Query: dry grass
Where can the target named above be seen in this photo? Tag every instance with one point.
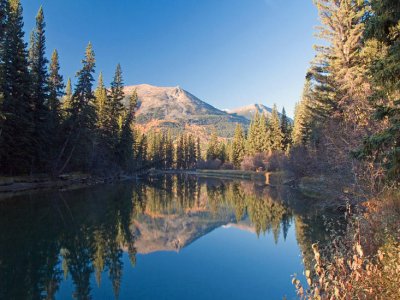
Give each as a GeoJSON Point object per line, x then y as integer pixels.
{"type": "Point", "coordinates": [365, 262]}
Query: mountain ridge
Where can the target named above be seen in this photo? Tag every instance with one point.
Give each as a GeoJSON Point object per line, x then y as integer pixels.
{"type": "Point", "coordinates": [177, 109]}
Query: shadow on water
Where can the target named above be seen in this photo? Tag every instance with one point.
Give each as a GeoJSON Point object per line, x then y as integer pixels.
{"type": "Point", "coordinates": [48, 238]}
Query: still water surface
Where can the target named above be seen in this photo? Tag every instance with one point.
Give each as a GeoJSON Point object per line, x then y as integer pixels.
{"type": "Point", "coordinates": [171, 237]}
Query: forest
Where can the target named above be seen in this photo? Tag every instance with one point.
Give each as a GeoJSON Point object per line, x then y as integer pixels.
{"type": "Point", "coordinates": [345, 134]}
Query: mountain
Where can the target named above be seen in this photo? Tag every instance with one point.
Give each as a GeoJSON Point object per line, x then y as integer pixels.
{"type": "Point", "coordinates": [176, 109]}
{"type": "Point", "coordinates": [249, 111]}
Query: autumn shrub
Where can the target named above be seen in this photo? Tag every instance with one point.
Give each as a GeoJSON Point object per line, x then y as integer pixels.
{"type": "Point", "coordinates": [364, 263]}
{"type": "Point", "coordinates": [303, 162]}
{"type": "Point", "coordinates": [257, 162]}
{"type": "Point", "coordinates": [276, 161]}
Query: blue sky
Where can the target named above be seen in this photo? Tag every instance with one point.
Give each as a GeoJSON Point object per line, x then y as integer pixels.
{"type": "Point", "coordinates": [229, 53]}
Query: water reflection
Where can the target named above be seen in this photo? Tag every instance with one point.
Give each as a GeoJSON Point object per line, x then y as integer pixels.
{"type": "Point", "coordinates": [49, 238]}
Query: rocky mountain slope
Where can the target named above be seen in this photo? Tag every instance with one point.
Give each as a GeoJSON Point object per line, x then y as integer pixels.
{"type": "Point", "coordinates": [249, 111]}
{"type": "Point", "coordinates": [176, 109]}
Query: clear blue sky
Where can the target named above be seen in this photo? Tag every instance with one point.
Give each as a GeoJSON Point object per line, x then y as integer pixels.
{"type": "Point", "coordinates": [229, 53]}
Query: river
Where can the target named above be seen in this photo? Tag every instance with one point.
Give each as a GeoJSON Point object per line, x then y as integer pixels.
{"type": "Point", "coordinates": [165, 237]}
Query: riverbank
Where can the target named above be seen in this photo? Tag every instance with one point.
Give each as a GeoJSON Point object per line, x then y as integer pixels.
{"type": "Point", "coordinates": [22, 184]}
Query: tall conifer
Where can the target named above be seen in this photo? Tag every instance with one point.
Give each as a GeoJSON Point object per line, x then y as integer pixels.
{"type": "Point", "coordinates": [39, 90]}
{"type": "Point", "coordinates": [16, 144]}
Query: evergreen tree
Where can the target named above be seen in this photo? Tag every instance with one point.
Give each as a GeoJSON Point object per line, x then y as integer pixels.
{"type": "Point", "coordinates": [169, 151]}
{"type": "Point", "coordinates": [67, 100]}
{"type": "Point", "coordinates": [79, 142]}
{"type": "Point", "coordinates": [180, 153]}
{"type": "Point", "coordinates": [286, 131]}
{"type": "Point", "coordinates": [100, 103]}
{"type": "Point", "coordinates": [258, 139]}
{"type": "Point", "coordinates": [303, 119]}
{"type": "Point", "coordinates": [213, 147]}
{"type": "Point", "coordinates": [56, 91]}
{"type": "Point", "coordinates": [238, 146]}
{"type": "Point", "coordinates": [16, 145]}
{"type": "Point", "coordinates": [276, 135]}
{"type": "Point", "coordinates": [139, 150]}
{"type": "Point", "coordinates": [126, 142]}
{"type": "Point", "coordinates": [116, 106]}
{"type": "Point", "coordinates": [191, 152]}
{"type": "Point", "coordinates": [383, 34]}
{"type": "Point", "coordinates": [40, 89]}
{"type": "Point", "coordinates": [198, 149]}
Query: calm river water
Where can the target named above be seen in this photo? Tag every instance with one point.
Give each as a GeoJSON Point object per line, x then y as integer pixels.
{"type": "Point", "coordinates": [169, 237]}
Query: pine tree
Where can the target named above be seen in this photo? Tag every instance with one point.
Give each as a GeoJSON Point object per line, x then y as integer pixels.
{"type": "Point", "coordinates": [238, 146]}
{"type": "Point", "coordinates": [56, 89]}
{"type": "Point", "coordinates": [276, 135]}
{"type": "Point", "coordinates": [191, 152]}
{"type": "Point", "coordinates": [258, 137]}
{"type": "Point", "coordinates": [115, 102]}
{"type": "Point", "coordinates": [198, 150]}
{"type": "Point", "coordinates": [100, 102]}
{"type": "Point", "coordinates": [16, 134]}
{"type": "Point", "coordinates": [180, 153]}
{"type": "Point", "coordinates": [169, 151]}
{"type": "Point", "coordinates": [67, 100]}
{"type": "Point", "coordinates": [286, 131]}
{"type": "Point", "coordinates": [139, 150]}
{"type": "Point", "coordinates": [126, 143]}
{"type": "Point", "coordinates": [79, 142]}
{"type": "Point", "coordinates": [40, 89]}
{"type": "Point", "coordinates": [337, 70]}
{"type": "Point", "coordinates": [213, 147]}
{"type": "Point", "coordinates": [383, 34]}
{"type": "Point", "coordinates": [303, 119]}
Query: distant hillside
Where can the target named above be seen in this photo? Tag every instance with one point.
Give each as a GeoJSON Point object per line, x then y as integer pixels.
{"type": "Point", "coordinates": [176, 109]}
{"type": "Point", "coordinates": [249, 111]}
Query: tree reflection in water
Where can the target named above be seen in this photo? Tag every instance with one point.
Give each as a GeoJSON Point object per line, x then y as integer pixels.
{"type": "Point", "coordinates": [46, 238]}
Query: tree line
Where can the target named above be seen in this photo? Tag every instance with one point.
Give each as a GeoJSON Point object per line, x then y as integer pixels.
{"type": "Point", "coordinates": [349, 114]}
{"type": "Point", "coordinates": [47, 126]}
{"type": "Point", "coordinates": [266, 134]}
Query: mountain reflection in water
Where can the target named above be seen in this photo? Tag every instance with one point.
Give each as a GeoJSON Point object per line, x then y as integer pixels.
{"type": "Point", "coordinates": [63, 245]}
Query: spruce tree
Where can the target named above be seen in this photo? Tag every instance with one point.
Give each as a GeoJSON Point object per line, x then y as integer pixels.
{"type": "Point", "coordinates": [198, 149]}
{"type": "Point", "coordinates": [383, 34]}
{"type": "Point", "coordinates": [180, 153]}
{"type": "Point", "coordinates": [39, 91]}
{"type": "Point", "coordinates": [286, 131]}
{"type": "Point", "coordinates": [100, 102]}
{"type": "Point", "coordinates": [16, 145]}
{"type": "Point", "coordinates": [126, 143]}
{"type": "Point", "coordinates": [56, 91]}
{"type": "Point", "coordinates": [238, 146]}
{"type": "Point", "coordinates": [213, 147]}
{"type": "Point", "coordinates": [169, 151]}
{"type": "Point", "coordinates": [115, 102]}
{"type": "Point", "coordinates": [303, 119]}
{"type": "Point", "coordinates": [79, 143]}
{"type": "Point", "coordinates": [338, 68]}
{"type": "Point", "coordinates": [276, 135]}
{"type": "Point", "coordinates": [67, 100]}
{"type": "Point", "coordinates": [191, 152]}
